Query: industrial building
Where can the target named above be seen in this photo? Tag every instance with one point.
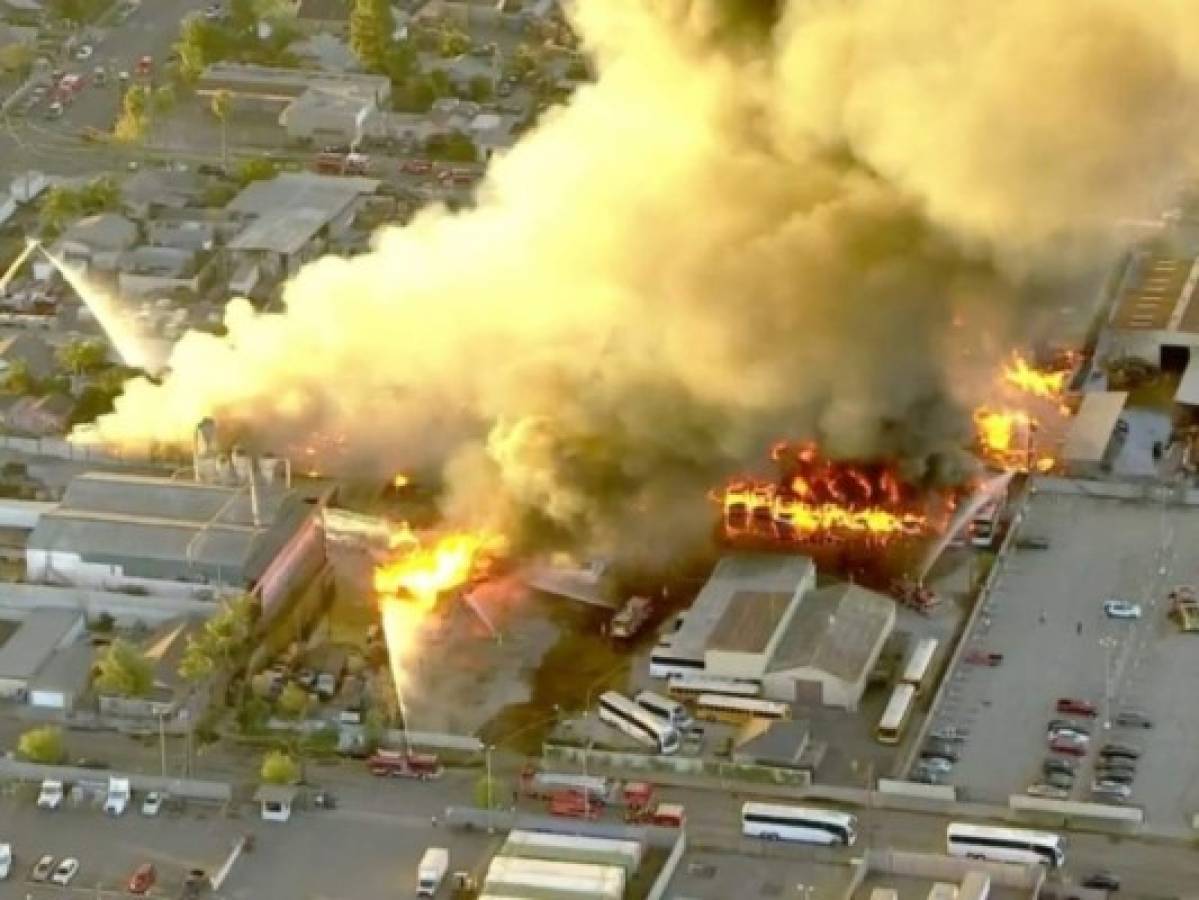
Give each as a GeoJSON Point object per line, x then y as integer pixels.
{"type": "Point", "coordinates": [30, 648]}
{"type": "Point", "coordinates": [760, 618]}
{"type": "Point", "coordinates": [1155, 319]}
{"type": "Point", "coordinates": [1091, 441]}
{"type": "Point", "coordinates": [149, 535]}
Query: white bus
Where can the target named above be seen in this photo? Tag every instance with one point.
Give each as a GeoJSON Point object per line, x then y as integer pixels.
{"type": "Point", "coordinates": [896, 715]}
{"type": "Point", "coordinates": [1005, 844]}
{"type": "Point", "coordinates": [691, 687]}
{"type": "Point", "coordinates": [670, 710]}
{"type": "Point", "coordinates": [919, 667]}
{"type": "Point", "coordinates": [776, 822]}
{"type": "Point", "coordinates": [620, 712]}
{"type": "Point", "coordinates": [735, 710]}
{"type": "Point", "coordinates": [666, 662]}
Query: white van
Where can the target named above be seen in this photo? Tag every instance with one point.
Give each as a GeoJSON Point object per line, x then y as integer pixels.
{"type": "Point", "coordinates": [431, 871]}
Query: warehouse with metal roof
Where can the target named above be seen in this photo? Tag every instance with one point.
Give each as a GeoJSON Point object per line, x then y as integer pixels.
{"type": "Point", "coordinates": [831, 646]}
{"type": "Point", "coordinates": [40, 635]}
{"type": "Point", "coordinates": [180, 538]}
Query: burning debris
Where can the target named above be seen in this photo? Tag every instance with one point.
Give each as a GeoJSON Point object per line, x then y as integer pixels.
{"type": "Point", "coordinates": [1039, 383]}
{"type": "Point", "coordinates": [819, 500]}
{"type": "Point", "coordinates": [413, 577]}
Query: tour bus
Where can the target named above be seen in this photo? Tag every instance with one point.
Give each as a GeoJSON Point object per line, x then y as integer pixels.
{"type": "Point", "coordinates": [620, 712]}
{"type": "Point", "coordinates": [805, 824]}
{"type": "Point", "coordinates": [1005, 844]}
{"type": "Point", "coordinates": [691, 687]}
{"type": "Point", "coordinates": [666, 662]}
{"type": "Point", "coordinates": [735, 710]}
{"type": "Point", "coordinates": [671, 711]}
{"type": "Point", "coordinates": [895, 717]}
{"type": "Point", "coordinates": [918, 669]}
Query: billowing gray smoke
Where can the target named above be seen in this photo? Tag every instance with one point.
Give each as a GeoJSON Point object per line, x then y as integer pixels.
{"type": "Point", "coordinates": [801, 220]}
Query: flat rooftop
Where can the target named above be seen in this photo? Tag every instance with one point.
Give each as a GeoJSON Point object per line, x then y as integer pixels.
{"type": "Point", "coordinates": [38, 636]}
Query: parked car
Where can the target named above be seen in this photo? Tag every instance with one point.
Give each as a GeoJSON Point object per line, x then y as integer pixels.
{"type": "Point", "coordinates": [1127, 751]}
{"type": "Point", "coordinates": [152, 804]}
{"type": "Point", "coordinates": [1070, 734]}
{"type": "Point", "coordinates": [55, 110]}
{"type": "Point", "coordinates": [65, 871]}
{"type": "Point", "coordinates": [1059, 764]}
{"type": "Point", "coordinates": [949, 733]}
{"type": "Point", "coordinates": [1063, 780]}
{"type": "Point", "coordinates": [43, 868]}
{"type": "Point", "coordinates": [142, 879]}
{"type": "Point", "coordinates": [1121, 609]}
{"type": "Point", "coordinates": [145, 65]}
{"type": "Point", "coordinates": [942, 749]}
{"type": "Point", "coordinates": [1070, 748]}
{"type": "Point", "coordinates": [1133, 718]}
{"type": "Point", "coordinates": [1048, 791]}
{"type": "Point", "coordinates": [1111, 789]}
{"type": "Point", "coordinates": [935, 763]}
{"type": "Point", "coordinates": [1076, 707]}
{"type": "Point", "coordinates": [1067, 724]}
{"type": "Point", "coordinates": [84, 51]}
{"type": "Point", "coordinates": [1103, 881]}
{"type": "Point", "coordinates": [1113, 776]}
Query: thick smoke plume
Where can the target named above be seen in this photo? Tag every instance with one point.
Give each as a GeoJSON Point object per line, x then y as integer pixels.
{"type": "Point", "coordinates": [764, 220]}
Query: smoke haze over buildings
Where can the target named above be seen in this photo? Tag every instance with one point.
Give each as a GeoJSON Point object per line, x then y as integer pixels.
{"type": "Point", "coordinates": [764, 220]}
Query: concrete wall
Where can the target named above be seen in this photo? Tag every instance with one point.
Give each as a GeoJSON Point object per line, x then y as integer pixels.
{"type": "Point", "coordinates": [937, 867]}
{"type": "Point", "coordinates": [17, 600]}
{"type": "Point", "coordinates": [641, 764]}
{"type": "Point", "coordinates": [190, 788]}
{"type": "Point", "coordinates": [1065, 810]}
{"type": "Point", "coordinates": [23, 513]}
{"type": "Point", "coordinates": [945, 792]}
{"type": "Point", "coordinates": [727, 664]}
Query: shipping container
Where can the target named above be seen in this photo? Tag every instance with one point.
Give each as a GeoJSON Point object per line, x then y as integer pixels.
{"type": "Point", "coordinates": [536, 879]}
{"type": "Point", "coordinates": [574, 848]}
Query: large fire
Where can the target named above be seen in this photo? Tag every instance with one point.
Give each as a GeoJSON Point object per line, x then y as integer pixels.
{"type": "Point", "coordinates": [821, 499]}
{"type": "Point", "coordinates": [410, 581]}
{"type": "Point", "coordinates": [1037, 382]}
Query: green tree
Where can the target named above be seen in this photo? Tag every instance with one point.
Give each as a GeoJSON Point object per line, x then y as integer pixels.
{"type": "Point", "coordinates": [253, 714]}
{"type": "Point", "coordinates": [99, 195]}
{"type": "Point", "coordinates": [59, 206]}
{"type": "Point", "coordinates": [453, 43]}
{"type": "Point", "coordinates": [131, 125]}
{"type": "Point", "coordinates": [523, 62]}
{"type": "Point", "coordinates": [79, 357]}
{"type": "Point", "coordinates": [480, 89]}
{"type": "Point", "coordinates": [292, 702]}
{"type": "Point", "coordinates": [371, 30]}
{"type": "Point", "coordinates": [17, 379]}
{"type": "Point", "coordinates": [42, 745]}
{"type": "Point", "coordinates": [196, 48]}
{"type": "Point", "coordinates": [198, 661]}
{"type": "Point", "coordinates": [16, 58]}
{"type": "Point", "coordinates": [242, 17]}
{"type": "Point", "coordinates": [124, 671]}
{"type": "Point", "coordinates": [279, 768]}
{"type": "Point", "coordinates": [453, 146]}
{"type": "Point", "coordinates": [489, 792]}
{"type": "Point", "coordinates": [222, 102]}
{"type": "Point", "coordinates": [257, 169]}
{"type": "Point", "coordinates": [163, 100]}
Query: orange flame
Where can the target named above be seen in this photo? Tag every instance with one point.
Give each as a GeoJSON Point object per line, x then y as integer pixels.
{"type": "Point", "coordinates": [401, 481]}
{"type": "Point", "coordinates": [1021, 375]}
{"type": "Point", "coordinates": [818, 498]}
{"type": "Point", "coordinates": [410, 582]}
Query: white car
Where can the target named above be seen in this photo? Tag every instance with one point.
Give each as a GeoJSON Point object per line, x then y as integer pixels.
{"type": "Point", "coordinates": [1113, 789]}
{"type": "Point", "coordinates": [42, 868]}
{"type": "Point", "coordinates": [84, 51]}
{"type": "Point", "coordinates": [1048, 791]}
{"type": "Point", "coordinates": [1073, 735]}
{"type": "Point", "coordinates": [66, 871]}
{"type": "Point", "coordinates": [1122, 609]}
{"type": "Point", "coordinates": [51, 794]}
{"type": "Point", "coordinates": [5, 860]}
{"type": "Point", "coordinates": [152, 804]}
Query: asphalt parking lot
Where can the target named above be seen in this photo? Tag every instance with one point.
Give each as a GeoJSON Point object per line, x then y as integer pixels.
{"type": "Point", "coordinates": [1045, 616]}
{"type": "Point", "coordinates": [719, 876]}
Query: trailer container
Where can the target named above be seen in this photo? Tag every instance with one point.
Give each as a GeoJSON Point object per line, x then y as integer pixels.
{"type": "Point", "coordinates": [574, 848]}
{"type": "Point", "coordinates": [537, 879]}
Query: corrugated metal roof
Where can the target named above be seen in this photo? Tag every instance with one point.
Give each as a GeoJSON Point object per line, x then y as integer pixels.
{"type": "Point", "coordinates": [1091, 428]}
{"type": "Point", "coordinates": [835, 630]}
{"type": "Point", "coordinates": [69, 670]}
{"type": "Point", "coordinates": [31, 645]}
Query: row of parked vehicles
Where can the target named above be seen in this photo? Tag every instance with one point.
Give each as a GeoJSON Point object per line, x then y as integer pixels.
{"type": "Point", "coordinates": [1069, 742]}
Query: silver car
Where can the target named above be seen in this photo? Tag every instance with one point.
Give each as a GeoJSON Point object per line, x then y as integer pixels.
{"type": "Point", "coordinates": [1111, 789]}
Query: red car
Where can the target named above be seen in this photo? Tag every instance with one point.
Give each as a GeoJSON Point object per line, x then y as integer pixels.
{"type": "Point", "coordinates": [417, 167]}
{"type": "Point", "coordinates": [1076, 707]}
{"type": "Point", "coordinates": [144, 65]}
{"type": "Point", "coordinates": [1070, 748]}
{"type": "Point", "coordinates": [142, 879]}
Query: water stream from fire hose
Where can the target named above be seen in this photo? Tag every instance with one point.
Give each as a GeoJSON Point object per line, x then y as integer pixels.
{"type": "Point", "coordinates": [961, 518]}
{"type": "Point", "coordinates": [116, 323]}
{"type": "Point", "coordinates": [12, 270]}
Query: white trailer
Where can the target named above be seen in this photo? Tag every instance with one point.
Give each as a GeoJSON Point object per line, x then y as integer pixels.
{"type": "Point", "coordinates": [431, 871]}
{"type": "Point", "coordinates": [538, 879]}
{"type": "Point", "coordinates": [574, 848]}
{"type": "Point", "coordinates": [544, 784]}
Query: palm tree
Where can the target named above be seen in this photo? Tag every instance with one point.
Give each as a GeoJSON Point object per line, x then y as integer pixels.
{"type": "Point", "coordinates": [221, 101]}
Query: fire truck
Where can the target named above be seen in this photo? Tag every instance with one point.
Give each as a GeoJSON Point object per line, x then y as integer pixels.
{"type": "Point", "coordinates": [631, 618]}
{"type": "Point", "coordinates": [404, 764]}
{"type": "Point", "coordinates": [641, 807]}
{"type": "Point", "coordinates": [575, 805]}
{"type": "Point", "coordinates": [914, 594]}
{"type": "Point", "coordinates": [547, 785]}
